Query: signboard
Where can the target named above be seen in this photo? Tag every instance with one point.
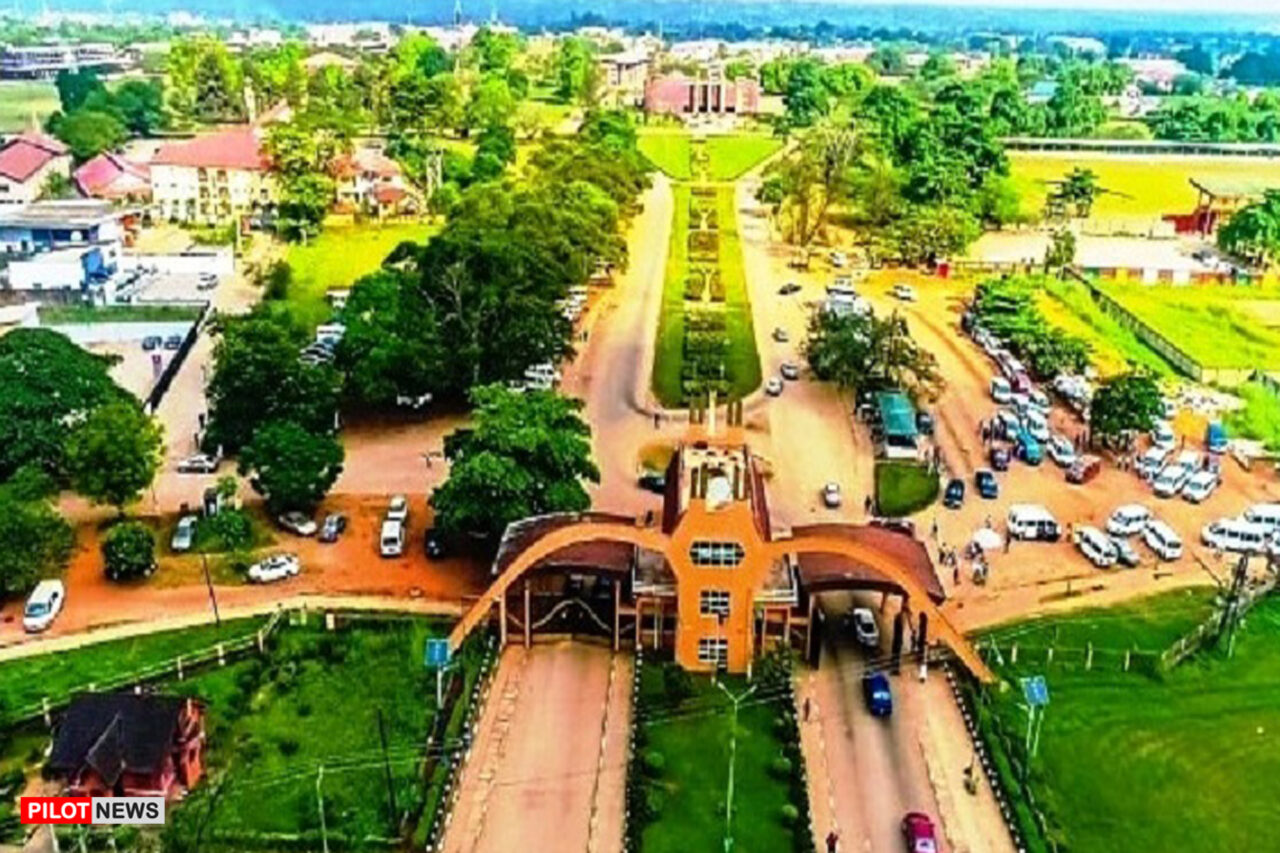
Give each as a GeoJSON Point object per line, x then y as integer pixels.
{"type": "Point", "coordinates": [1036, 691]}
{"type": "Point", "coordinates": [436, 655]}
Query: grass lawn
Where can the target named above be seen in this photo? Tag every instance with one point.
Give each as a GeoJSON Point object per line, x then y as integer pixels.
{"type": "Point", "coordinates": [23, 100]}
{"type": "Point", "coordinates": [53, 315]}
{"type": "Point", "coordinates": [1260, 417]}
{"type": "Point", "coordinates": [24, 681]}
{"type": "Point", "coordinates": [335, 259]}
{"type": "Point", "coordinates": [1219, 326]}
{"type": "Point", "coordinates": [743, 362]}
{"type": "Point", "coordinates": [668, 350]}
{"type": "Point", "coordinates": [904, 488]}
{"type": "Point", "coordinates": [1067, 305]}
{"type": "Point", "coordinates": [732, 156]}
{"type": "Point", "coordinates": [667, 150]}
{"type": "Point", "coordinates": [1147, 187]}
{"type": "Point", "coordinates": [1183, 762]}
{"type": "Point", "coordinates": [694, 744]}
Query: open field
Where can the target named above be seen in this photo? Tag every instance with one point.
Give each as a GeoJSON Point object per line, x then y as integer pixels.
{"type": "Point", "coordinates": [1259, 419]}
{"type": "Point", "coordinates": [1067, 305]}
{"type": "Point", "coordinates": [1219, 326]}
{"type": "Point", "coordinates": [1199, 773]}
{"type": "Point", "coordinates": [335, 259]}
{"type": "Point", "coordinates": [690, 741]}
{"type": "Point", "coordinates": [668, 151]}
{"type": "Point", "coordinates": [1143, 188]}
{"type": "Point", "coordinates": [25, 101]}
{"type": "Point", "coordinates": [732, 156]}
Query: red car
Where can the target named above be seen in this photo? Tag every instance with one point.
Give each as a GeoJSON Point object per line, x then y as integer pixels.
{"type": "Point", "coordinates": [918, 832]}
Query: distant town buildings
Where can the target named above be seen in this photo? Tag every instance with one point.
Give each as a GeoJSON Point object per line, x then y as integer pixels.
{"type": "Point", "coordinates": [677, 94]}
{"type": "Point", "coordinates": [367, 36]}
{"type": "Point", "coordinates": [27, 162]}
{"type": "Point", "coordinates": [625, 76]}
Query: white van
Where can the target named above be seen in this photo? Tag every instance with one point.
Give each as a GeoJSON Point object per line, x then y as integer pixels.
{"type": "Point", "coordinates": [1151, 461]}
{"type": "Point", "coordinates": [391, 542]}
{"type": "Point", "coordinates": [1095, 546]}
{"type": "Point", "coordinates": [543, 376]}
{"type": "Point", "coordinates": [1035, 423]}
{"type": "Point", "coordinates": [1200, 486]}
{"type": "Point", "coordinates": [43, 605]}
{"type": "Point", "coordinates": [1162, 435]}
{"type": "Point", "coordinates": [1233, 534]}
{"type": "Point", "coordinates": [1032, 522]}
{"type": "Point", "coordinates": [1266, 514]}
{"type": "Point", "coordinates": [1170, 481]}
{"type": "Point", "coordinates": [1161, 539]}
{"type": "Point", "coordinates": [1128, 519]}
{"type": "Point", "coordinates": [1000, 390]}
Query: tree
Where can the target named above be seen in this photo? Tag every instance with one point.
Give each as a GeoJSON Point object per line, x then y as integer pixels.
{"type": "Point", "coordinates": [114, 454]}
{"type": "Point", "coordinates": [492, 105]}
{"type": "Point", "coordinates": [1130, 402]}
{"type": "Point", "coordinates": [1062, 249]}
{"type": "Point", "coordinates": [888, 60]}
{"type": "Point", "coordinates": [577, 76]}
{"type": "Point", "coordinates": [75, 87]}
{"type": "Point", "coordinates": [37, 543]}
{"type": "Point", "coordinates": [49, 385]}
{"type": "Point", "coordinates": [525, 455]}
{"type": "Point", "coordinates": [862, 352]}
{"type": "Point", "coordinates": [257, 377]}
{"type": "Point", "coordinates": [806, 96]}
{"type": "Point", "coordinates": [140, 104]}
{"type": "Point", "coordinates": [816, 175]}
{"type": "Point", "coordinates": [129, 551]}
{"type": "Point", "coordinates": [88, 132]}
{"type": "Point", "coordinates": [1253, 232]}
{"type": "Point", "coordinates": [292, 467]}
{"type": "Point", "coordinates": [392, 345]}
{"type": "Point", "coordinates": [302, 153]}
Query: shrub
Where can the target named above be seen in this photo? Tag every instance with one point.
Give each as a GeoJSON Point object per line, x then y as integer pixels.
{"type": "Point", "coordinates": [654, 762]}
{"type": "Point", "coordinates": [230, 530]}
{"type": "Point", "coordinates": [790, 814]}
{"type": "Point", "coordinates": [676, 682]}
{"type": "Point", "coordinates": [129, 551]}
{"type": "Point", "coordinates": [288, 746]}
{"type": "Point", "coordinates": [654, 799]}
{"type": "Point", "coordinates": [276, 280]}
{"type": "Point", "coordinates": [780, 767]}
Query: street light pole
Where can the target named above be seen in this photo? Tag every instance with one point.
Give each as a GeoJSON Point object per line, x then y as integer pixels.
{"type": "Point", "coordinates": [324, 829]}
{"type": "Point", "coordinates": [733, 754]}
{"type": "Point", "coordinates": [208, 581]}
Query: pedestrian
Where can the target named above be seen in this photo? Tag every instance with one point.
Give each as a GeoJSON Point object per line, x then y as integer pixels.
{"type": "Point", "coordinates": [833, 839]}
{"type": "Point", "coordinates": [866, 504]}
{"type": "Point", "coordinates": [955, 575]}
{"type": "Point", "coordinates": [806, 709]}
{"type": "Point", "coordinates": [657, 418]}
{"type": "Point", "coordinates": [933, 530]}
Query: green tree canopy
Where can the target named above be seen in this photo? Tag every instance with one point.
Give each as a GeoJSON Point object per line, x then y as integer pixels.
{"type": "Point", "coordinates": [37, 543]}
{"type": "Point", "coordinates": [525, 455]}
{"type": "Point", "coordinates": [292, 467]}
{"type": "Point", "coordinates": [88, 132]}
{"type": "Point", "coordinates": [863, 352]}
{"type": "Point", "coordinates": [1129, 402]}
{"type": "Point", "coordinates": [129, 551]}
{"type": "Point", "coordinates": [114, 454]}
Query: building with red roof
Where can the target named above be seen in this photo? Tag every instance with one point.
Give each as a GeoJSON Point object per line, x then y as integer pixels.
{"type": "Point", "coordinates": [371, 182]}
{"type": "Point", "coordinates": [27, 162]}
{"type": "Point", "coordinates": [213, 178]}
{"type": "Point", "coordinates": [114, 178]}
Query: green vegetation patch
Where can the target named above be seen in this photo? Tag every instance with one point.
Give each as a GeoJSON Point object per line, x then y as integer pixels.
{"type": "Point", "coordinates": [1259, 419]}
{"type": "Point", "coordinates": [1114, 348]}
{"type": "Point", "coordinates": [734, 155]}
{"type": "Point", "coordinates": [1218, 326]}
{"type": "Point", "coordinates": [60, 315]}
{"type": "Point", "coordinates": [336, 258]}
{"type": "Point", "coordinates": [668, 151]}
{"type": "Point", "coordinates": [904, 488]}
{"type": "Point", "coordinates": [23, 102]}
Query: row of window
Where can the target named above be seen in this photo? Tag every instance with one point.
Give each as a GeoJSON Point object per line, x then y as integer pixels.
{"type": "Point", "coordinates": [719, 554]}
{"type": "Point", "coordinates": [713, 650]}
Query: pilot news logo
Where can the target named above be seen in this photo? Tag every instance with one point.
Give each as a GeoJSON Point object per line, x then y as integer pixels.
{"type": "Point", "coordinates": [95, 811]}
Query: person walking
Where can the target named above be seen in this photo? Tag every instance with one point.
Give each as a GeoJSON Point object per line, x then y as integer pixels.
{"type": "Point", "coordinates": [806, 709]}
{"type": "Point", "coordinates": [833, 840]}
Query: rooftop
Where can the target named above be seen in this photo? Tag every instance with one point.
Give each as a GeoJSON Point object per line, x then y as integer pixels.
{"type": "Point", "coordinates": [897, 414]}
{"type": "Point", "coordinates": [27, 153]}
{"type": "Point", "coordinates": [74, 213]}
{"type": "Point", "coordinates": [114, 733]}
{"type": "Point", "coordinates": [237, 148]}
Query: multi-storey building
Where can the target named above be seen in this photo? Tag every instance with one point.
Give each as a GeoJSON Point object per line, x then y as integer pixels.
{"type": "Point", "coordinates": [213, 178]}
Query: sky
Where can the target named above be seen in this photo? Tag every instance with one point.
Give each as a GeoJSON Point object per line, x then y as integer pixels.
{"type": "Point", "coordinates": [1201, 6]}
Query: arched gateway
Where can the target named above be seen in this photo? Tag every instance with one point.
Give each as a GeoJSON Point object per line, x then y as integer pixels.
{"type": "Point", "coordinates": [712, 578]}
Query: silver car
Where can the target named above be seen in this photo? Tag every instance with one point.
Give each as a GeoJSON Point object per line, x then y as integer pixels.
{"type": "Point", "coordinates": [184, 535]}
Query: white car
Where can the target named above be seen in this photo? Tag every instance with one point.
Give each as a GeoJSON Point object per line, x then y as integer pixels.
{"type": "Point", "coordinates": [839, 260]}
{"type": "Point", "coordinates": [43, 606]}
{"type": "Point", "coordinates": [200, 463]}
{"type": "Point", "coordinates": [297, 522]}
{"type": "Point", "coordinates": [1162, 539]}
{"type": "Point", "coordinates": [789, 370]}
{"type": "Point", "coordinates": [1035, 424]}
{"type": "Point", "coordinates": [1162, 435]}
{"type": "Point", "coordinates": [1126, 554]}
{"type": "Point", "coordinates": [1095, 546]}
{"type": "Point", "coordinates": [904, 292]}
{"type": "Point", "coordinates": [1200, 486]}
{"type": "Point", "coordinates": [1061, 451]}
{"type": "Point", "coordinates": [1170, 481]}
{"type": "Point", "coordinates": [1040, 401]}
{"type": "Point", "coordinates": [184, 535]}
{"type": "Point", "coordinates": [1128, 520]}
{"type": "Point", "coordinates": [1000, 390]}
{"type": "Point", "coordinates": [398, 509]}
{"type": "Point", "coordinates": [831, 495]}
{"type": "Point", "coordinates": [773, 387]}
{"type": "Point", "coordinates": [865, 628]}
{"type": "Point", "coordinates": [277, 567]}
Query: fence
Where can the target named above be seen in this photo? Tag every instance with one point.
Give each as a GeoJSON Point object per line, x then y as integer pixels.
{"type": "Point", "coordinates": [1207, 632]}
{"type": "Point", "coordinates": [175, 364]}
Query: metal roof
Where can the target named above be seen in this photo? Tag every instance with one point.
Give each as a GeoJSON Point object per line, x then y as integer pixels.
{"type": "Point", "coordinates": [897, 414]}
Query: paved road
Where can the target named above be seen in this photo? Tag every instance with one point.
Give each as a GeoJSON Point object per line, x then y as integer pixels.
{"type": "Point", "coordinates": [548, 767]}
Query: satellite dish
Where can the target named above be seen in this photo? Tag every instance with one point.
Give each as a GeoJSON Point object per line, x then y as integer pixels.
{"type": "Point", "coordinates": [719, 491]}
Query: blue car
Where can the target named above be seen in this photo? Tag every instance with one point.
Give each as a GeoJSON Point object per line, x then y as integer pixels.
{"type": "Point", "coordinates": [1029, 450]}
{"type": "Point", "coordinates": [875, 690]}
{"type": "Point", "coordinates": [985, 482]}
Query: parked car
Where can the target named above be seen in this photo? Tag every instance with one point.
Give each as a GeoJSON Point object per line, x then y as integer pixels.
{"type": "Point", "coordinates": [904, 292]}
{"type": "Point", "coordinates": [653, 481]}
{"type": "Point", "coordinates": [985, 482]}
{"type": "Point", "coordinates": [1006, 424]}
{"type": "Point", "coordinates": [1035, 424]}
{"type": "Point", "coordinates": [43, 605]}
{"type": "Point", "coordinates": [1032, 522]}
{"type": "Point", "coordinates": [435, 545]}
{"type": "Point", "coordinates": [999, 458]}
{"type": "Point", "coordinates": [865, 629]}
{"type": "Point", "coordinates": [391, 538]}
{"type": "Point", "coordinates": [1126, 554]}
{"type": "Point", "coordinates": [1162, 539]}
{"type": "Point", "coordinates": [173, 342]}
{"type": "Point", "coordinates": [1200, 485]}
{"type": "Point", "coordinates": [788, 289]}
{"type": "Point", "coordinates": [151, 342]}
{"type": "Point", "coordinates": [297, 522]}
{"type": "Point", "coordinates": [184, 535]}
{"type": "Point", "coordinates": [1095, 546]}
{"type": "Point", "coordinates": [1084, 469]}
{"type": "Point", "coordinates": [773, 387]}
{"type": "Point", "coordinates": [199, 463]}
{"type": "Point", "coordinates": [831, 495]}
{"type": "Point", "coordinates": [789, 370]}
{"type": "Point", "coordinates": [398, 508]}
{"type": "Point", "coordinates": [1000, 390]}
{"type": "Point", "coordinates": [334, 524]}
{"type": "Point", "coordinates": [919, 834]}
{"type": "Point", "coordinates": [1039, 401]}
{"type": "Point", "coordinates": [277, 567]}
{"type": "Point", "coordinates": [953, 497]}
{"type": "Point", "coordinates": [1061, 451]}
{"type": "Point", "coordinates": [780, 335]}
{"type": "Point", "coordinates": [1162, 435]}
{"type": "Point", "coordinates": [1215, 438]}
{"type": "Point", "coordinates": [1028, 448]}
{"type": "Point", "coordinates": [1128, 519]}
{"type": "Point", "coordinates": [924, 422]}
{"type": "Point", "coordinates": [839, 259]}
{"type": "Point", "coordinates": [876, 693]}
{"type": "Point", "coordinates": [1170, 481]}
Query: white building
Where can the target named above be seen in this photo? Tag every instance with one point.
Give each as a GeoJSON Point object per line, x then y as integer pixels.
{"type": "Point", "coordinates": [213, 178]}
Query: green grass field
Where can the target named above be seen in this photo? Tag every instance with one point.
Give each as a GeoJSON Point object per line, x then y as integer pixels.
{"type": "Point", "coordinates": [904, 488]}
{"type": "Point", "coordinates": [694, 744]}
{"type": "Point", "coordinates": [22, 101]}
{"type": "Point", "coordinates": [1260, 417]}
{"type": "Point", "coordinates": [743, 362]}
{"type": "Point", "coordinates": [335, 259]}
{"type": "Point", "coordinates": [733, 156]}
{"type": "Point", "coordinates": [668, 151]}
{"type": "Point", "coordinates": [1067, 305]}
{"type": "Point", "coordinates": [1142, 188]}
{"type": "Point", "coordinates": [1219, 326]}
{"type": "Point", "coordinates": [1183, 762]}
{"type": "Point", "coordinates": [54, 315]}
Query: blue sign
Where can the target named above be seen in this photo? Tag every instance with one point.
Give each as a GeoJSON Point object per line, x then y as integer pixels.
{"type": "Point", "coordinates": [436, 655]}
{"type": "Point", "coordinates": [1036, 691]}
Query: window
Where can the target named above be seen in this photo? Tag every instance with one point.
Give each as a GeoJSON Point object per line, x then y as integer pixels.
{"type": "Point", "coordinates": [713, 650]}
{"type": "Point", "coordinates": [724, 554]}
{"type": "Point", "coordinates": [714, 602]}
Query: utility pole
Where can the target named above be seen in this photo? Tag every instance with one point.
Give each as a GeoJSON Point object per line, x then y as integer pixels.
{"type": "Point", "coordinates": [324, 829]}
{"type": "Point", "coordinates": [1231, 613]}
{"type": "Point", "coordinates": [208, 581]}
{"type": "Point", "coordinates": [386, 763]}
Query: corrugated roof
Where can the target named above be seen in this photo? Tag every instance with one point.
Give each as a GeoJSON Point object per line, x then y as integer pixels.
{"type": "Point", "coordinates": [238, 148]}
{"type": "Point", "coordinates": [897, 414]}
{"type": "Point", "coordinates": [27, 154]}
{"type": "Point", "coordinates": [114, 732]}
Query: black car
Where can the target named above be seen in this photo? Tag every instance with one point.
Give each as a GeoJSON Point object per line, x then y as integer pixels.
{"type": "Point", "coordinates": [652, 481]}
{"type": "Point", "coordinates": [788, 289]}
{"type": "Point", "coordinates": [434, 545]}
{"type": "Point", "coordinates": [173, 342]}
{"type": "Point", "coordinates": [999, 458]}
{"type": "Point", "coordinates": [334, 524]}
{"type": "Point", "coordinates": [151, 342]}
{"type": "Point", "coordinates": [953, 497]}
{"type": "Point", "coordinates": [924, 423]}
{"type": "Point", "coordinates": [986, 484]}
